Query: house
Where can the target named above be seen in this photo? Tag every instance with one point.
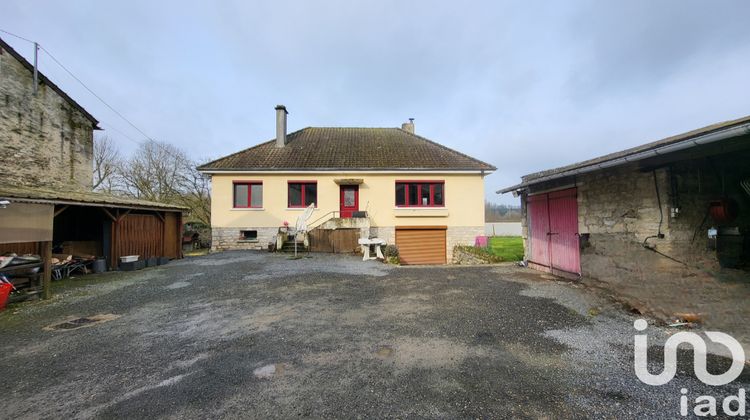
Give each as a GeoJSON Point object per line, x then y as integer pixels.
{"type": "Point", "coordinates": [47, 176]}
{"type": "Point", "coordinates": [655, 214]}
{"type": "Point", "coordinates": [379, 182]}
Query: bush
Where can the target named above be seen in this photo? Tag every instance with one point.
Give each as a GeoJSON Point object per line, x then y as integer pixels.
{"type": "Point", "coordinates": [391, 251]}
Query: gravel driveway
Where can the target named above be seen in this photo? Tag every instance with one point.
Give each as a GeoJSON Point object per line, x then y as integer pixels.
{"type": "Point", "coordinates": [242, 334]}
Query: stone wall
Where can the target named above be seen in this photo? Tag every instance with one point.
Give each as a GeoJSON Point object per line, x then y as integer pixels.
{"type": "Point", "coordinates": [462, 255]}
{"type": "Point", "coordinates": [619, 211]}
{"type": "Point", "coordinates": [223, 239]}
{"type": "Point", "coordinates": [461, 235]}
{"type": "Point", "coordinates": [46, 141]}
{"type": "Point", "coordinates": [230, 238]}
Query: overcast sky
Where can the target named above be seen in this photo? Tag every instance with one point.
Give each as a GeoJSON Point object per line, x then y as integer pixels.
{"type": "Point", "coordinates": [522, 85]}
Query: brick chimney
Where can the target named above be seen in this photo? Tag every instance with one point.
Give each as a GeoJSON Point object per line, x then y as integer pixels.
{"type": "Point", "coordinates": [408, 126]}
{"type": "Point", "coordinates": [281, 125]}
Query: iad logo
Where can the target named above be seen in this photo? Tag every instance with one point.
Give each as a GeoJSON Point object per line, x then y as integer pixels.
{"type": "Point", "coordinates": [705, 404]}
{"type": "Point", "coordinates": [699, 356]}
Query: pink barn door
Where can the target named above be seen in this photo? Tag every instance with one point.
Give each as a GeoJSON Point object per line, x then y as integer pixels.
{"type": "Point", "coordinates": [553, 230]}
{"type": "Point", "coordinates": [538, 211]}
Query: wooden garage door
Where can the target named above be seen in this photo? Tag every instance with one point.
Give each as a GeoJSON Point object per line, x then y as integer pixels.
{"type": "Point", "coordinates": [421, 244]}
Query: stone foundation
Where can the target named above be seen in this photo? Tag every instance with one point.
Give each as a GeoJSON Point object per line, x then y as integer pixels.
{"type": "Point", "coordinates": [230, 238]}
{"type": "Point", "coordinates": [224, 239]}
{"type": "Point", "coordinates": [461, 235]}
{"type": "Point", "coordinates": [455, 235]}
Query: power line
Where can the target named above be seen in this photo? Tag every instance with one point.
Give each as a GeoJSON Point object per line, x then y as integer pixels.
{"type": "Point", "coordinates": [17, 36]}
{"type": "Point", "coordinates": [70, 73]}
{"type": "Point", "coordinates": [118, 113]}
{"type": "Point", "coordinates": [95, 95]}
{"type": "Point", "coordinates": [113, 128]}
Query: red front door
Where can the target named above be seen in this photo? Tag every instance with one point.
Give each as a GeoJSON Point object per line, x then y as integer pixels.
{"type": "Point", "coordinates": [349, 200]}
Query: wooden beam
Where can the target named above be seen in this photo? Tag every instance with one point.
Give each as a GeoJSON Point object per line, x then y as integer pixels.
{"type": "Point", "coordinates": [160, 216]}
{"type": "Point", "coordinates": [110, 215]}
{"type": "Point", "coordinates": [121, 216]}
{"type": "Point", "coordinates": [46, 254]}
{"type": "Point", "coordinates": [60, 210]}
{"type": "Point", "coordinates": [112, 245]}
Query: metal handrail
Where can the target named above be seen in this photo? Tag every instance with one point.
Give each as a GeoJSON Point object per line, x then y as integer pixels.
{"type": "Point", "coordinates": [311, 226]}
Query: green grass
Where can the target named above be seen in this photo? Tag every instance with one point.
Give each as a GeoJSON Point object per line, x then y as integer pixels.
{"type": "Point", "coordinates": [509, 248]}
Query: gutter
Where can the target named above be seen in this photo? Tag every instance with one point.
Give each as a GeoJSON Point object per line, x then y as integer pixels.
{"type": "Point", "coordinates": [709, 138]}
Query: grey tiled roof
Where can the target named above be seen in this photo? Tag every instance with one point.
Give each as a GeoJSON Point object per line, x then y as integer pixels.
{"type": "Point", "coordinates": [331, 148]}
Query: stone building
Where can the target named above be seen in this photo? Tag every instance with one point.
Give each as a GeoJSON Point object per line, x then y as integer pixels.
{"type": "Point", "coordinates": [46, 137]}
{"type": "Point", "coordinates": [645, 217]}
{"type": "Point", "coordinates": [46, 156]}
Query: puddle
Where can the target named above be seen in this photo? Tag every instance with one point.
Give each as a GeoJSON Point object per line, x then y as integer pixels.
{"type": "Point", "coordinates": [269, 371]}
{"type": "Point", "coordinates": [76, 323]}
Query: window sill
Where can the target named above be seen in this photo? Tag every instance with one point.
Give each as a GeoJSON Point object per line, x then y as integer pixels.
{"type": "Point", "coordinates": [420, 212]}
{"type": "Point", "coordinates": [247, 209]}
{"type": "Point", "coordinates": [300, 208]}
{"type": "Point", "coordinates": [247, 241]}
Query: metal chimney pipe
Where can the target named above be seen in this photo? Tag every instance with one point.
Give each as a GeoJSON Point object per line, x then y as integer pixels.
{"type": "Point", "coordinates": [36, 71]}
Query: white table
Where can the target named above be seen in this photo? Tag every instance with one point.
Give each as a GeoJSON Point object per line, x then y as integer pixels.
{"type": "Point", "coordinates": [366, 243]}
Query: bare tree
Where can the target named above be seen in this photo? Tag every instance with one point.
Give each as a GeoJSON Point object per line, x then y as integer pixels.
{"type": "Point", "coordinates": [106, 162]}
{"type": "Point", "coordinates": [154, 172]}
{"type": "Point", "coordinates": [196, 194]}
{"type": "Point", "coordinates": [159, 171]}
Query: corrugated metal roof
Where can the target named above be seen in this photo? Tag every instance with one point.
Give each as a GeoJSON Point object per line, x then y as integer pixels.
{"type": "Point", "coordinates": [81, 198]}
{"type": "Point", "coordinates": [607, 160]}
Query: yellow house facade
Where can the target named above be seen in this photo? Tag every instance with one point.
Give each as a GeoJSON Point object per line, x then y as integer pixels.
{"type": "Point", "coordinates": [387, 183]}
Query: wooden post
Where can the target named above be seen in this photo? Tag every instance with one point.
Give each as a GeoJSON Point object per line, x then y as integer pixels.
{"type": "Point", "coordinates": [113, 238]}
{"type": "Point", "coordinates": [180, 227]}
{"type": "Point", "coordinates": [46, 254]}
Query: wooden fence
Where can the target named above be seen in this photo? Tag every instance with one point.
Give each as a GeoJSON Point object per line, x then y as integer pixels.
{"type": "Point", "coordinates": [340, 241]}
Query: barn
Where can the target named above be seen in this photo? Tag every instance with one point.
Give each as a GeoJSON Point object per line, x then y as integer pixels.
{"type": "Point", "coordinates": [656, 214]}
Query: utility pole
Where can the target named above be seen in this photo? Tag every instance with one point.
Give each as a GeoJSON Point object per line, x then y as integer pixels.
{"type": "Point", "coordinates": [36, 71]}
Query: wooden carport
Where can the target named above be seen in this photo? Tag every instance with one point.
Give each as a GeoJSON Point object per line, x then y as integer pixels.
{"type": "Point", "coordinates": [106, 226]}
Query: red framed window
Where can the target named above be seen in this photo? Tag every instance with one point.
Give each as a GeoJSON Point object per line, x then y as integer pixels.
{"type": "Point", "coordinates": [420, 193]}
{"type": "Point", "coordinates": [302, 193]}
{"type": "Point", "coordinates": [248, 194]}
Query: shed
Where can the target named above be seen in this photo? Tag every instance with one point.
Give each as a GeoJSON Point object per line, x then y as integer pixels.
{"type": "Point", "coordinates": [37, 221]}
{"type": "Point", "coordinates": [652, 213]}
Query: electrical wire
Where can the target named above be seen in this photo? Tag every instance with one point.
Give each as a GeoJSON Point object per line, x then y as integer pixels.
{"type": "Point", "coordinates": [17, 36]}
{"type": "Point", "coordinates": [111, 108]}
{"type": "Point", "coordinates": [77, 79]}
{"type": "Point", "coordinates": [95, 95]}
{"type": "Point", "coordinates": [661, 221]}
{"type": "Point", "coordinates": [661, 211]}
